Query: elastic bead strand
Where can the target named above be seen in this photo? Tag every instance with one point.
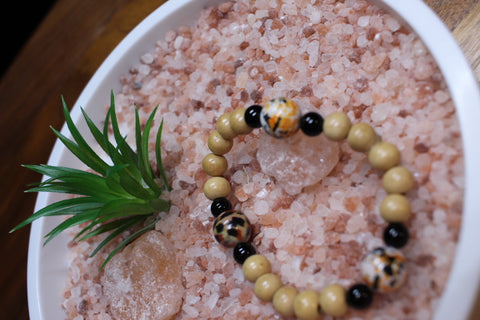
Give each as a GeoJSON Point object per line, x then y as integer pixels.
{"type": "Point", "coordinates": [283, 300]}
{"type": "Point", "coordinates": [281, 118]}
{"type": "Point", "coordinates": [361, 137]}
{"type": "Point", "coordinates": [398, 180]}
{"type": "Point", "coordinates": [214, 165]}
{"type": "Point", "coordinates": [395, 208]}
{"type": "Point", "coordinates": [333, 300]}
{"type": "Point", "coordinates": [216, 187]}
{"type": "Point", "coordinates": [383, 155]}
{"type": "Point", "coordinates": [266, 285]}
{"type": "Point", "coordinates": [336, 126]}
{"type": "Point", "coordinates": [237, 122]}
{"type": "Point", "coordinates": [306, 305]}
{"type": "Point", "coordinates": [219, 145]}
{"type": "Point", "coordinates": [224, 127]}
{"type": "Point", "coordinates": [255, 266]}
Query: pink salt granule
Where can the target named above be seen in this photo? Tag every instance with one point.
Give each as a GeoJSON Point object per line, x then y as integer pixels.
{"type": "Point", "coordinates": [327, 56]}
{"type": "Point", "coordinates": [144, 281]}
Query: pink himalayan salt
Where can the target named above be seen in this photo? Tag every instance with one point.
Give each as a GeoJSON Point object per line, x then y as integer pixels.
{"type": "Point", "coordinates": [299, 161]}
{"type": "Point", "coordinates": [144, 281]}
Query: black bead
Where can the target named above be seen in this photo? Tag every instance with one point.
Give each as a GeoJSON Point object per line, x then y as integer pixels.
{"type": "Point", "coordinates": [312, 124]}
{"type": "Point", "coordinates": [252, 116]}
{"type": "Point", "coordinates": [396, 235]}
{"type": "Point", "coordinates": [359, 296]}
{"type": "Point", "coordinates": [220, 205]}
{"type": "Point", "coordinates": [242, 251]}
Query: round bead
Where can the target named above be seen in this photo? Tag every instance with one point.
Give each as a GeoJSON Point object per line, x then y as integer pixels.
{"type": "Point", "coordinates": [242, 251]}
{"type": "Point", "coordinates": [280, 117]}
{"type": "Point", "coordinates": [224, 127]}
{"type": "Point", "coordinates": [255, 266]}
{"type": "Point", "coordinates": [336, 126]}
{"type": "Point", "coordinates": [218, 144]}
{"type": "Point", "coordinates": [214, 165]}
{"type": "Point", "coordinates": [359, 296]}
{"type": "Point", "coordinates": [395, 208]}
{"type": "Point", "coordinates": [231, 227]}
{"type": "Point", "coordinates": [361, 137]}
{"type": "Point", "coordinates": [220, 205]}
{"type": "Point", "coordinates": [384, 155]}
{"type": "Point", "coordinates": [383, 269]}
{"type": "Point", "coordinates": [266, 286]}
{"type": "Point", "coordinates": [311, 124]}
{"type": "Point", "coordinates": [332, 300]}
{"type": "Point", "coordinates": [396, 235]}
{"type": "Point", "coordinates": [216, 187]}
{"type": "Point", "coordinates": [283, 300]}
{"type": "Point", "coordinates": [238, 123]}
{"type": "Point", "coordinates": [306, 305]}
{"type": "Point", "coordinates": [398, 180]}
{"type": "Point", "coordinates": [252, 116]}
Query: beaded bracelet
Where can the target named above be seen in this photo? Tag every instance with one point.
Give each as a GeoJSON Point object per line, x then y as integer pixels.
{"type": "Point", "coordinates": [382, 269]}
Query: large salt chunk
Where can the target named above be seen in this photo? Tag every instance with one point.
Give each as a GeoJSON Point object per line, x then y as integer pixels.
{"type": "Point", "coordinates": [299, 161]}
{"type": "Point", "coordinates": [144, 281]}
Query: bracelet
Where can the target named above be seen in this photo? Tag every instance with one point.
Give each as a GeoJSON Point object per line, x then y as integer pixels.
{"type": "Point", "coordinates": [382, 269]}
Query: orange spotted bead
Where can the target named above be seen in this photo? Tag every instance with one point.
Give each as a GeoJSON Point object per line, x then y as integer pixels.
{"type": "Point", "coordinates": [232, 227]}
{"type": "Point", "coordinates": [383, 269]}
{"type": "Point", "coordinates": [280, 117]}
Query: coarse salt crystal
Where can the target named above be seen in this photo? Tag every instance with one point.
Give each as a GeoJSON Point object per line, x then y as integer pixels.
{"type": "Point", "coordinates": [337, 67]}
{"type": "Point", "coordinates": [212, 301]}
{"type": "Point", "coordinates": [313, 51]}
{"type": "Point", "coordinates": [282, 240]}
{"type": "Point", "coordinates": [259, 14]}
{"type": "Point", "coordinates": [144, 69]}
{"type": "Point", "coordinates": [392, 23]}
{"type": "Point", "coordinates": [270, 67]}
{"type": "Point", "coordinates": [242, 80]}
{"type": "Point", "coordinates": [441, 96]}
{"type": "Point", "coordinates": [235, 292]}
{"type": "Point", "coordinates": [238, 274]}
{"type": "Point", "coordinates": [239, 177]}
{"type": "Point", "coordinates": [147, 58]}
{"type": "Point", "coordinates": [362, 41]}
{"type": "Point", "coordinates": [315, 16]}
{"type": "Point", "coordinates": [190, 311]}
{"type": "Point", "coordinates": [270, 233]}
{"type": "Point", "coordinates": [219, 278]}
{"type": "Point", "coordinates": [363, 21]}
{"type": "Point", "coordinates": [261, 207]}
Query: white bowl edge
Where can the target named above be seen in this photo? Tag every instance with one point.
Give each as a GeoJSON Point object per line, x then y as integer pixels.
{"type": "Point", "coordinates": [464, 277]}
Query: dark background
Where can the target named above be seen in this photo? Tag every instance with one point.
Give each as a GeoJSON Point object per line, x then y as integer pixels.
{"type": "Point", "coordinates": [18, 21]}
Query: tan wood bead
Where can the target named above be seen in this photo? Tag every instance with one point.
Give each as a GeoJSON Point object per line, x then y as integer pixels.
{"type": "Point", "coordinates": [255, 266]}
{"type": "Point", "coordinates": [283, 300]}
{"type": "Point", "coordinates": [214, 165]}
{"type": "Point", "coordinates": [216, 187]}
{"type": "Point", "coordinates": [361, 137]}
{"type": "Point", "coordinates": [266, 286]}
{"type": "Point", "coordinates": [218, 144]}
{"type": "Point", "coordinates": [224, 127]}
{"type": "Point", "coordinates": [336, 126]}
{"type": "Point", "coordinates": [333, 300]}
{"type": "Point", "coordinates": [384, 155]}
{"type": "Point", "coordinates": [395, 208]}
{"type": "Point", "coordinates": [238, 123]}
{"type": "Point", "coordinates": [398, 180]}
{"type": "Point", "coordinates": [306, 305]}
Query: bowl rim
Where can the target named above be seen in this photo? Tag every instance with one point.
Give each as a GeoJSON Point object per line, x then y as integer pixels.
{"type": "Point", "coordinates": [462, 84]}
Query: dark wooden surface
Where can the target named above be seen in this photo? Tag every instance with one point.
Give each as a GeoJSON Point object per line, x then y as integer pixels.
{"type": "Point", "coordinates": [59, 58]}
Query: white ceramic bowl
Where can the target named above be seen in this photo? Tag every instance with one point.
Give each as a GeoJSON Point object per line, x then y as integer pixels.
{"type": "Point", "coordinates": [47, 266]}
